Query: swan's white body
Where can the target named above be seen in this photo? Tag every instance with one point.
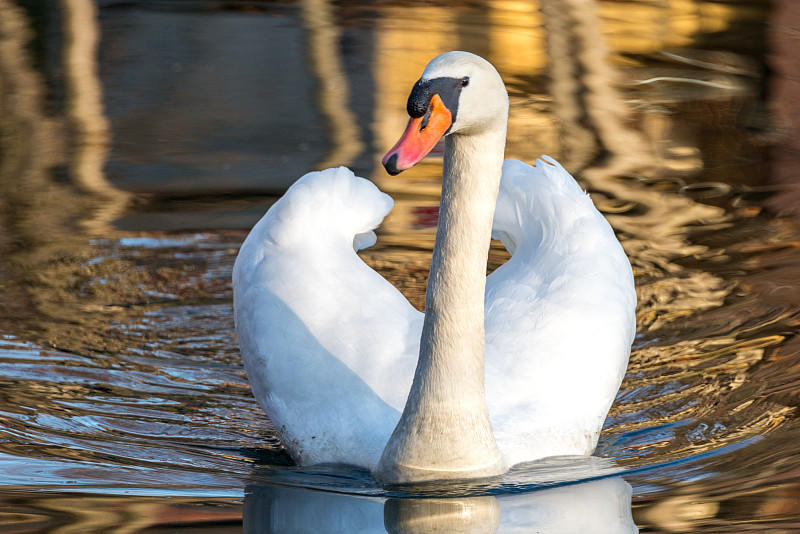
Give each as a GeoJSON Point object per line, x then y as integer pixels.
{"type": "Point", "coordinates": [331, 347]}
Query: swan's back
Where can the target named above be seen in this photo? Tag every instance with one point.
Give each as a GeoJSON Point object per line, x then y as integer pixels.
{"type": "Point", "coordinates": [559, 315]}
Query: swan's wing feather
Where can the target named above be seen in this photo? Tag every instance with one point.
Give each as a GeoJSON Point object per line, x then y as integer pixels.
{"type": "Point", "coordinates": [330, 346]}
{"type": "Point", "coordinates": [559, 314]}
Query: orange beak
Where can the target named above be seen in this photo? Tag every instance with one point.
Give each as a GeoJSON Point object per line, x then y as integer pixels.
{"type": "Point", "coordinates": [419, 138]}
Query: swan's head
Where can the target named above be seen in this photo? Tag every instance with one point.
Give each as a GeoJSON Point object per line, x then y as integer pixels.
{"type": "Point", "coordinates": [459, 93]}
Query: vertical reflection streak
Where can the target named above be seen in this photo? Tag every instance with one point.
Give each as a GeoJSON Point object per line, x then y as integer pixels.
{"type": "Point", "coordinates": [334, 94]}
{"type": "Point", "coordinates": [589, 105]}
{"type": "Point", "coordinates": [91, 128]}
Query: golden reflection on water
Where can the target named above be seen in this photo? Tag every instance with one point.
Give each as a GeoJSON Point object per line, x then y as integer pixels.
{"type": "Point", "coordinates": [79, 514]}
{"type": "Point", "coordinates": [666, 131]}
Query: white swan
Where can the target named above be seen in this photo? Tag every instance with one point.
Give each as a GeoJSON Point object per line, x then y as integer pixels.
{"type": "Point", "coordinates": [331, 348]}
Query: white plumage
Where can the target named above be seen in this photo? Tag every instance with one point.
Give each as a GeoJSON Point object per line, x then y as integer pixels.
{"type": "Point", "coordinates": [331, 347]}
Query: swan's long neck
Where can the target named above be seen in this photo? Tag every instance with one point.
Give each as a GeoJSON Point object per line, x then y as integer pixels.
{"type": "Point", "coordinates": [453, 333]}
{"type": "Point", "coordinates": [444, 431]}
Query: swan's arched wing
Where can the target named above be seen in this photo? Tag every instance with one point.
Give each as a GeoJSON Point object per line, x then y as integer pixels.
{"type": "Point", "coordinates": [559, 315]}
{"type": "Point", "coordinates": [330, 346]}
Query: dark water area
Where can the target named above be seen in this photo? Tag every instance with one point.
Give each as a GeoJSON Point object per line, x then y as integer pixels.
{"type": "Point", "coordinates": [139, 142]}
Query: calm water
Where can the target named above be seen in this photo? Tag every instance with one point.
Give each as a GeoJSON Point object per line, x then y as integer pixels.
{"type": "Point", "coordinates": [139, 141]}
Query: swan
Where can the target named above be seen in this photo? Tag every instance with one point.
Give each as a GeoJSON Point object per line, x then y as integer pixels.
{"type": "Point", "coordinates": [499, 370]}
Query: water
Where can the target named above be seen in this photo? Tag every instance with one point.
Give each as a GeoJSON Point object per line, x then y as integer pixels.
{"type": "Point", "coordinates": [131, 171]}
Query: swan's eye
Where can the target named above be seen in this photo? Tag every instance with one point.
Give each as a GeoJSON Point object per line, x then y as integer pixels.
{"type": "Point", "coordinates": [465, 81]}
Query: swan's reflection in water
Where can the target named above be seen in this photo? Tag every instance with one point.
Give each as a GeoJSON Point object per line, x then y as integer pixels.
{"type": "Point", "coordinates": [597, 506]}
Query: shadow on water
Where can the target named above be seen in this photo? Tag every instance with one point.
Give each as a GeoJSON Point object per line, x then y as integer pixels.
{"type": "Point", "coordinates": [130, 172]}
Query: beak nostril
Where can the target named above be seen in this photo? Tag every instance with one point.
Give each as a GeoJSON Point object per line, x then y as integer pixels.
{"type": "Point", "coordinates": [426, 118]}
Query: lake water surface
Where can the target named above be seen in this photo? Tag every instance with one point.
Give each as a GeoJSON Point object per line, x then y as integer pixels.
{"type": "Point", "coordinates": [139, 141]}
